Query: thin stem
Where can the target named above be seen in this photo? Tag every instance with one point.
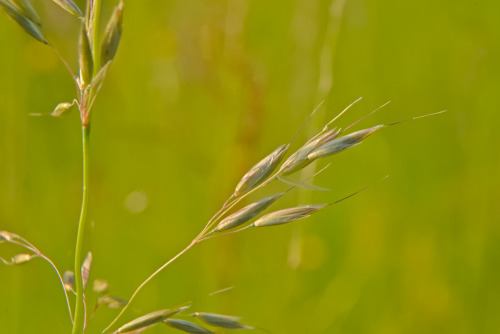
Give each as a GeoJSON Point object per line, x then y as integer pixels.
{"type": "Point", "coordinates": [79, 311]}
{"type": "Point", "coordinates": [194, 242]}
{"type": "Point", "coordinates": [29, 246]}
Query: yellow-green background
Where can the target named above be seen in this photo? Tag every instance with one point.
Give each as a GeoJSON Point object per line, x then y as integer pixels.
{"type": "Point", "coordinates": [201, 90]}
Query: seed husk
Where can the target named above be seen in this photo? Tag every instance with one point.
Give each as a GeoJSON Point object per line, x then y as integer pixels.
{"type": "Point", "coordinates": [340, 144]}
{"type": "Point", "coordinates": [61, 108]}
{"type": "Point", "coordinates": [222, 321]}
{"type": "Point", "coordinates": [87, 263]}
{"type": "Point", "coordinates": [149, 319]}
{"type": "Point", "coordinates": [258, 173]}
{"type": "Point", "coordinates": [85, 56]}
{"type": "Point", "coordinates": [100, 286]}
{"type": "Point", "coordinates": [287, 215]}
{"type": "Point", "coordinates": [70, 7]}
{"type": "Point", "coordinates": [187, 326]}
{"type": "Point", "coordinates": [112, 35]}
{"type": "Point", "coordinates": [111, 301]}
{"type": "Point", "coordinates": [21, 258]}
{"type": "Point", "coordinates": [245, 214]}
{"type": "Point", "coordinates": [25, 23]}
{"type": "Point", "coordinates": [28, 10]}
{"type": "Point", "coordinates": [7, 236]}
{"type": "Point", "coordinates": [69, 280]}
{"type": "Point", "coordinates": [299, 159]}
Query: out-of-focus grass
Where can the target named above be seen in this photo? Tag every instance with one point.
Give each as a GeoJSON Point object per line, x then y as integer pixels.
{"type": "Point", "coordinates": [200, 91]}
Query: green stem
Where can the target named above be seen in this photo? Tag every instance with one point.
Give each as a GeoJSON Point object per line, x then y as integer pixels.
{"type": "Point", "coordinates": [79, 308]}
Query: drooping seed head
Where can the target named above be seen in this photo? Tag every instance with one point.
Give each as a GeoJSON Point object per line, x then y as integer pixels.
{"type": "Point", "coordinates": [25, 23]}
{"type": "Point", "coordinates": [70, 7]}
{"type": "Point", "coordinates": [149, 319]}
{"type": "Point", "coordinates": [112, 35]}
{"type": "Point", "coordinates": [288, 215]}
{"type": "Point", "coordinates": [299, 159]}
{"type": "Point", "coordinates": [245, 214]}
{"type": "Point", "coordinates": [340, 144]}
{"type": "Point", "coordinates": [222, 321]}
{"type": "Point", "coordinates": [187, 326]}
{"type": "Point", "coordinates": [258, 173]}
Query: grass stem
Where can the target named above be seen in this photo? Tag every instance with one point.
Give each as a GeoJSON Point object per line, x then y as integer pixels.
{"type": "Point", "coordinates": [79, 307]}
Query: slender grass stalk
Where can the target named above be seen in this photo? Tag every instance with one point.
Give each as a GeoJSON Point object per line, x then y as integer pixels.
{"type": "Point", "coordinates": [96, 14]}
{"type": "Point", "coordinates": [79, 307]}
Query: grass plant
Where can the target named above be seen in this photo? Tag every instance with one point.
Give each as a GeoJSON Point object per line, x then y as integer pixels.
{"type": "Point", "coordinates": [96, 54]}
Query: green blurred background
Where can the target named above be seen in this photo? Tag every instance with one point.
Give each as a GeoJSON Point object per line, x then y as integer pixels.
{"type": "Point", "coordinates": [199, 92]}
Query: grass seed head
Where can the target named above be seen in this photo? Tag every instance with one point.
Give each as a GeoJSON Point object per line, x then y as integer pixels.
{"type": "Point", "coordinates": [87, 263]}
{"type": "Point", "coordinates": [69, 280]}
{"type": "Point", "coordinates": [187, 326]}
{"type": "Point", "coordinates": [23, 20]}
{"type": "Point", "coordinates": [61, 108]}
{"type": "Point", "coordinates": [70, 7]}
{"type": "Point", "coordinates": [111, 301]}
{"type": "Point", "coordinates": [288, 215]}
{"type": "Point", "coordinates": [112, 35]}
{"type": "Point", "coordinates": [222, 321]}
{"type": "Point", "coordinates": [21, 258]}
{"type": "Point", "coordinates": [245, 214]}
{"type": "Point", "coordinates": [28, 10]}
{"type": "Point", "coordinates": [85, 56]}
{"type": "Point", "coordinates": [258, 173]}
{"type": "Point", "coordinates": [7, 236]}
{"type": "Point", "coordinates": [299, 159]}
{"type": "Point", "coordinates": [149, 319]}
{"type": "Point", "coordinates": [100, 286]}
{"type": "Point", "coordinates": [340, 144]}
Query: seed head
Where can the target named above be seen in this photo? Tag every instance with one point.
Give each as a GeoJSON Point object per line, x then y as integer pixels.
{"type": "Point", "coordinates": [245, 214]}
{"type": "Point", "coordinates": [187, 326]}
{"type": "Point", "coordinates": [288, 215]}
{"type": "Point", "coordinates": [340, 144]}
{"type": "Point", "coordinates": [258, 173]}
{"type": "Point", "coordinates": [222, 321]}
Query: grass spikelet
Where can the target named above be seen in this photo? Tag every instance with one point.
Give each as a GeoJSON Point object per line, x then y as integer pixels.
{"type": "Point", "coordinates": [24, 21]}
{"type": "Point", "coordinates": [149, 319]}
{"type": "Point", "coordinates": [87, 264]}
{"type": "Point", "coordinates": [245, 214]}
{"type": "Point", "coordinates": [69, 280]}
{"type": "Point", "coordinates": [61, 109]}
{"type": "Point", "coordinates": [112, 35]}
{"type": "Point", "coordinates": [340, 144]}
{"type": "Point", "coordinates": [187, 326]}
{"type": "Point", "coordinates": [111, 301]}
{"type": "Point", "coordinates": [22, 258]}
{"type": "Point", "coordinates": [28, 10]}
{"type": "Point", "coordinates": [70, 7]}
{"type": "Point", "coordinates": [85, 58]}
{"type": "Point", "coordinates": [222, 321]}
{"type": "Point", "coordinates": [288, 215]}
{"type": "Point", "coordinates": [258, 173]}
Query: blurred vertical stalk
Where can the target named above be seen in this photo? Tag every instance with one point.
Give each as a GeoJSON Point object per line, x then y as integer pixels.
{"type": "Point", "coordinates": [79, 311]}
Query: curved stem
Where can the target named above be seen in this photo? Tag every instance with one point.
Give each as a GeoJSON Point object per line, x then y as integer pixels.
{"type": "Point", "coordinates": [194, 242]}
{"type": "Point", "coordinates": [79, 307]}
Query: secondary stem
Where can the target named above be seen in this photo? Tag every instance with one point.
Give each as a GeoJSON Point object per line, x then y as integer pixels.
{"type": "Point", "coordinates": [79, 307]}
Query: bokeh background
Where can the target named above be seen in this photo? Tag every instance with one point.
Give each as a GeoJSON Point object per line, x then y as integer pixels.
{"type": "Point", "coordinates": [199, 92]}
